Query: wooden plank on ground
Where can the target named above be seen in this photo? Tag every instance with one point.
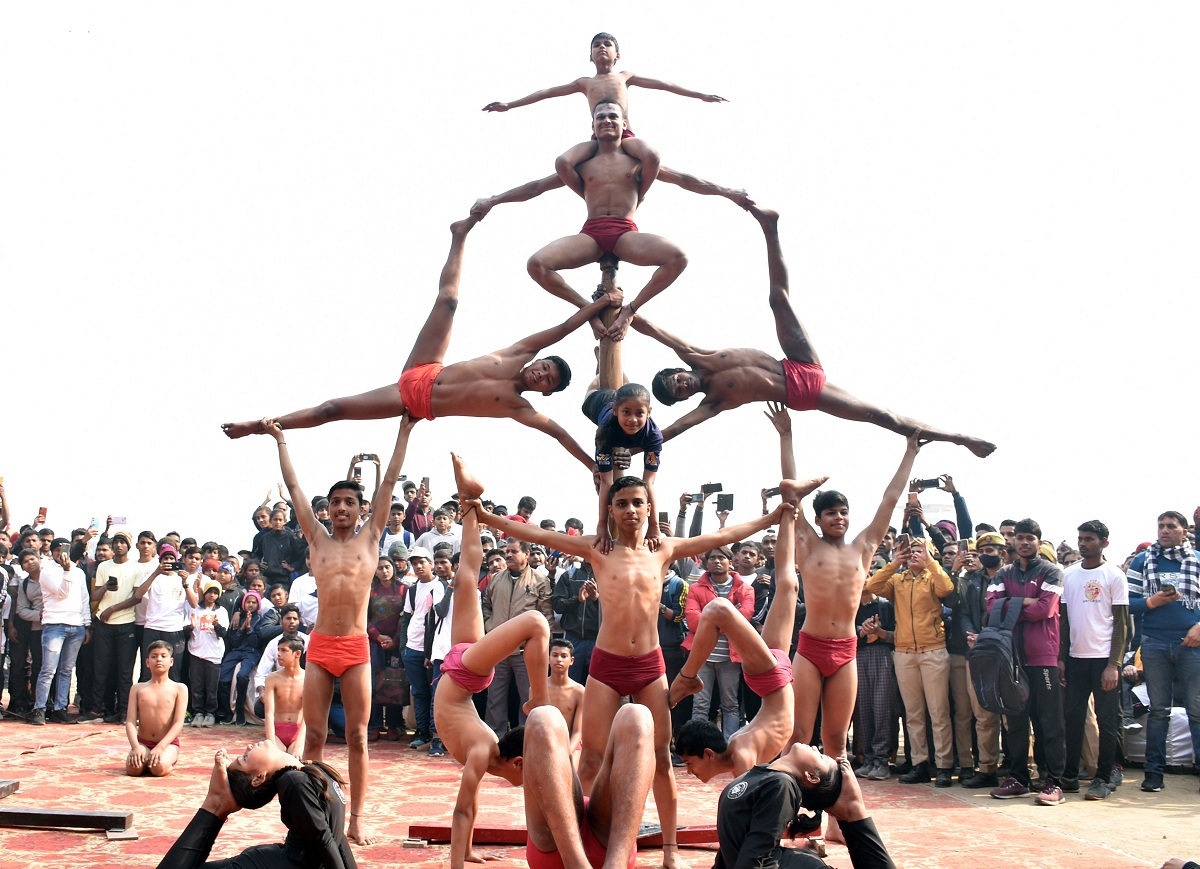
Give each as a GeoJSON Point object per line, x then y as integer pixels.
{"type": "Point", "coordinates": [66, 819]}
{"type": "Point", "coordinates": [8, 787]}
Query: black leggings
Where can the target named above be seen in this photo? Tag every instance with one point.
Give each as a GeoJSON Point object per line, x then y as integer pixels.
{"type": "Point", "coordinates": [191, 849]}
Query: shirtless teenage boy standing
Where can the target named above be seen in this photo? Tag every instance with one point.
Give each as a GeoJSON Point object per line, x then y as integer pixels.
{"type": "Point", "coordinates": [343, 562]}
{"type": "Point", "coordinates": [732, 377]}
{"type": "Point", "coordinates": [487, 386]}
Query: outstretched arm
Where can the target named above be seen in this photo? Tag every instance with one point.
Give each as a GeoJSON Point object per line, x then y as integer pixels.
{"type": "Point", "coordinates": [660, 85]}
{"type": "Point", "coordinates": [383, 492]}
{"type": "Point", "coordinates": [693, 184]}
{"type": "Point", "coordinates": [870, 536]}
{"type": "Point", "coordinates": [535, 420]}
{"type": "Point", "coordinates": [779, 418]}
{"type": "Point", "coordinates": [300, 505]}
{"type": "Point", "coordinates": [562, 90]}
{"type": "Point", "coordinates": [689, 546]}
{"type": "Point", "coordinates": [689, 353]}
{"type": "Point", "coordinates": [523, 193]}
{"type": "Point", "coordinates": [534, 344]}
{"type": "Point", "coordinates": [581, 546]}
{"type": "Point", "coordinates": [692, 418]}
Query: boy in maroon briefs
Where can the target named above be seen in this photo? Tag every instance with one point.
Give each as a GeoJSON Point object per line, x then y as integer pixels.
{"type": "Point", "coordinates": [732, 377]}
{"type": "Point", "coordinates": [343, 561]}
{"type": "Point", "coordinates": [488, 386]}
{"type": "Point", "coordinates": [467, 669]}
{"type": "Point", "coordinates": [629, 581]}
{"type": "Point", "coordinates": [155, 716]}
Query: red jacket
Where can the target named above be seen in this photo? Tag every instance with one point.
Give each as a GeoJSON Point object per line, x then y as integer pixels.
{"type": "Point", "coordinates": [702, 591]}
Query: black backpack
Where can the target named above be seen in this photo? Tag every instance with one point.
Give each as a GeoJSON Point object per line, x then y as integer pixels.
{"type": "Point", "coordinates": [996, 672]}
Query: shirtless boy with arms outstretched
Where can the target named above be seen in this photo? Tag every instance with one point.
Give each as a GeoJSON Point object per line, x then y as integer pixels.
{"type": "Point", "coordinates": [606, 84]}
{"type": "Point", "coordinates": [564, 693]}
{"type": "Point", "coordinates": [765, 664]}
{"type": "Point", "coordinates": [155, 716]}
{"type": "Point", "coordinates": [627, 660]}
{"type": "Point", "coordinates": [283, 699]}
{"type": "Point", "coordinates": [487, 386]}
{"type": "Point", "coordinates": [733, 377]}
{"type": "Point", "coordinates": [608, 183]}
{"type": "Point", "coordinates": [467, 670]}
{"type": "Point", "coordinates": [343, 561]}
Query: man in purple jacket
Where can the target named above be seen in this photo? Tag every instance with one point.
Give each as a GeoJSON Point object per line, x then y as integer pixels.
{"type": "Point", "coordinates": [1036, 585]}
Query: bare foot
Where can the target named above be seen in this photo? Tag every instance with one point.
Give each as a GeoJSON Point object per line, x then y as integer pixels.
{"type": "Point", "coordinates": [358, 833]}
{"type": "Point", "coordinates": [833, 833]}
{"type": "Point", "coordinates": [671, 858]}
{"type": "Point", "coordinates": [769, 220]}
{"type": "Point", "coordinates": [220, 799]}
{"type": "Point", "coordinates": [684, 686]}
{"type": "Point", "coordinates": [469, 488]}
{"type": "Point", "coordinates": [981, 448]}
{"type": "Point", "coordinates": [793, 490]}
{"type": "Point", "coordinates": [462, 227]}
{"type": "Point", "coordinates": [235, 430]}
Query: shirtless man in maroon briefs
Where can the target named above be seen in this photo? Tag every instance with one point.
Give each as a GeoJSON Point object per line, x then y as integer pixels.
{"type": "Point", "coordinates": [343, 563]}
{"type": "Point", "coordinates": [730, 378]}
{"type": "Point", "coordinates": [608, 184]}
{"type": "Point", "coordinates": [488, 386]}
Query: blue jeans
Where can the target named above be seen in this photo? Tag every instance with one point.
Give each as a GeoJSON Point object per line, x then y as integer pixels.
{"type": "Point", "coordinates": [1164, 665]}
{"type": "Point", "coordinates": [420, 679]}
{"type": "Point", "coordinates": [60, 648]}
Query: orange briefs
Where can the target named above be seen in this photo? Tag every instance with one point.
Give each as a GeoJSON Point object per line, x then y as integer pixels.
{"type": "Point", "coordinates": [336, 655]}
{"type": "Point", "coordinates": [416, 389]}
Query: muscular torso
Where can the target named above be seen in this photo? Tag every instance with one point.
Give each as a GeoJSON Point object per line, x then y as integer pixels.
{"type": "Point", "coordinates": [610, 184]}
{"type": "Point", "coordinates": [629, 582]}
{"type": "Point", "coordinates": [458, 723]}
{"type": "Point", "coordinates": [156, 709]}
{"type": "Point", "coordinates": [289, 695]}
{"type": "Point", "coordinates": [343, 572]}
{"type": "Point", "coordinates": [833, 583]}
{"type": "Point", "coordinates": [761, 739]}
{"type": "Point", "coordinates": [738, 376]}
{"type": "Point", "coordinates": [484, 386]}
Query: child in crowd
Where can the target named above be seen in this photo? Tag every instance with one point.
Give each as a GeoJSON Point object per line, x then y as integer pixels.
{"type": "Point", "coordinates": [241, 656]}
{"type": "Point", "coordinates": [564, 692]}
{"type": "Point", "coordinates": [206, 646]}
{"type": "Point", "coordinates": [283, 700]}
{"type": "Point", "coordinates": [155, 716]}
{"type": "Point", "coordinates": [622, 419]}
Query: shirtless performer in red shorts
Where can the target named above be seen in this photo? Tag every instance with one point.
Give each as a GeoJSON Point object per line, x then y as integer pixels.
{"type": "Point", "coordinates": [609, 184]}
{"type": "Point", "coordinates": [488, 386]}
{"type": "Point", "coordinates": [765, 664]}
{"type": "Point", "coordinates": [467, 670]}
{"type": "Point", "coordinates": [627, 660]}
{"type": "Point", "coordinates": [343, 561]}
{"type": "Point", "coordinates": [730, 378]}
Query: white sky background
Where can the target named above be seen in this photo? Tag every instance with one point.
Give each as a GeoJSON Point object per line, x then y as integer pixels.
{"type": "Point", "coordinates": [211, 212]}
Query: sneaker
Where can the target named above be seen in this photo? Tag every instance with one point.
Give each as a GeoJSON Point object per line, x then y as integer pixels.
{"type": "Point", "coordinates": [62, 716]}
{"type": "Point", "coordinates": [373, 735]}
{"type": "Point", "coordinates": [1131, 726]}
{"type": "Point", "coordinates": [1051, 795]}
{"type": "Point", "coordinates": [1153, 782]}
{"type": "Point", "coordinates": [114, 718]}
{"type": "Point", "coordinates": [1118, 776]}
{"type": "Point", "coordinates": [436, 749]}
{"type": "Point", "coordinates": [1010, 790]}
{"type": "Point", "coordinates": [395, 734]}
{"type": "Point", "coordinates": [419, 741]}
{"type": "Point", "coordinates": [38, 717]}
{"type": "Point", "coordinates": [863, 770]}
{"type": "Point", "coordinates": [982, 780]}
{"type": "Point", "coordinates": [1069, 785]}
{"type": "Point", "coordinates": [92, 717]}
{"type": "Point", "coordinates": [919, 774]}
{"type": "Point", "coordinates": [1099, 790]}
{"type": "Point", "coordinates": [880, 772]}
{"type": "Point", "coordinates": [945, 778]}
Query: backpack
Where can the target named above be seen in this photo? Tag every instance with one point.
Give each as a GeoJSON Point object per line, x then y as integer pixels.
{"type": "Point", "coordinates": [996, 673]}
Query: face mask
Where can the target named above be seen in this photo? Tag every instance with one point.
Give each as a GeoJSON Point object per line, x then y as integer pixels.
{"type": "Point", "coordinates": [990, 561]}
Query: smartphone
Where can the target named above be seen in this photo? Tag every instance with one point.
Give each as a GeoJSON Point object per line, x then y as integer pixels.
{"type": "Point", "coordinates": [42, 512]}
{"type": "Point", "coordinates": [112, 583]}
{"type": "Point", "coordinates": [120, 520]}
{"type": "Point", "coordinates": [425, 483]}
{"type": "Point", "coordinates": [1166, 587]}
{"type": "Point", "coordinates": [772, 492]}
{"type": "Point", "coordinates": [697, 499]}
{"type": "Point", "coordinates": [724, 503]}
{"type": "Point", "coordinates": [663, 516]}
{"type": "Point", "coordinates": [95, 526]}
{"type": "Point", "coordinates": [710, 488]}
{"type": "Point", "coordinates": [963, 546]}
{"type": "Point", "coordinates": [364, 457]}
{"type": "Point", "coordinates": [928, 484]}
{"type": "Point", "coordinates": [913, 499]}
{"type": "Point", "coordinates": [903, 540]}
{"type": "Point", "coordinates": [404, 478]}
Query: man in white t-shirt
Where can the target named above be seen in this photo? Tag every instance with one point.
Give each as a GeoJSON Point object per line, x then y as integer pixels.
{"type": "Point", "coordinates": [1094, 612]}
{"type": "Point", "coordinates": [167, 607]}
{"type": "Point", "coordinates": [289, 620]}
{"type": "Point", "coordinates": [303, 594]}
{"type": "Point", "coordinates": [425, 594]}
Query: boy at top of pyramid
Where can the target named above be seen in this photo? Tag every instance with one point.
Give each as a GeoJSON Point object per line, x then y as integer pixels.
{"type": "Point", "coordinates": [607, 84]}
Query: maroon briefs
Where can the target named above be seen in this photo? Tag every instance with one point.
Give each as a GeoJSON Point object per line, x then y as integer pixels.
{"type": "Point", "coordinates": [827, 654]}
{"type": "Point", "coordinates": [627, 675]}
{"type": "Point", "coordinates": [763, 684]}
{"type": "Point", "coordinates": [805, 380]}
{"type": "Point", "coordinates": [607, 231]}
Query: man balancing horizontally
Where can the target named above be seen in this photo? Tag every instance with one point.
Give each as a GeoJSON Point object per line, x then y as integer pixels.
{"type": "Point", "coordinates": [343, 562]}
{"type": "Point", "coordinates": [487, 386]}
{"type": "Point", "coordinates": [733, 377]}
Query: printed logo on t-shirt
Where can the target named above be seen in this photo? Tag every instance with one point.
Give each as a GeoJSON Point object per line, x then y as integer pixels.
{"type": "Point", "coordinates": [1091, 591]}
{"type": "Point", "coordinates": [651, 457]}
{"type": "Point", "coordinates": [737, 790]}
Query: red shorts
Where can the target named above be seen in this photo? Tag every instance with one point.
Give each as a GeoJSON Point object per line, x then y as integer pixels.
{"type": "Point", "coordinates": [153, 745]}
{"type": "Point", "coordinates": [607, 231]}
{"type": "Point", "coordinates": [336, 655]}
{"type": "Point", "coordinates": [626, 674]}
{"type": "Point", "coordinates": [538, 859]}
{"type": "Point", "coordinates": [805, 380]}
{"type": "Point", "coordinates": [416, 389]}
{"type": "Point", "coordinates": [285, 731]}
{"type": "Point", "coordinates": [763, 684]}
{"type": "Point", "coordinates": [468, 680]}
{"type": "Point", "coordinates": [827, 654]}
{"type": "Point", "coordinates": [626, 134]}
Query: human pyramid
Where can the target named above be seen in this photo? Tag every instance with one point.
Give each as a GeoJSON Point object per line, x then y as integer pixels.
{"type": "Point", "coordinates": [588, 811]}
